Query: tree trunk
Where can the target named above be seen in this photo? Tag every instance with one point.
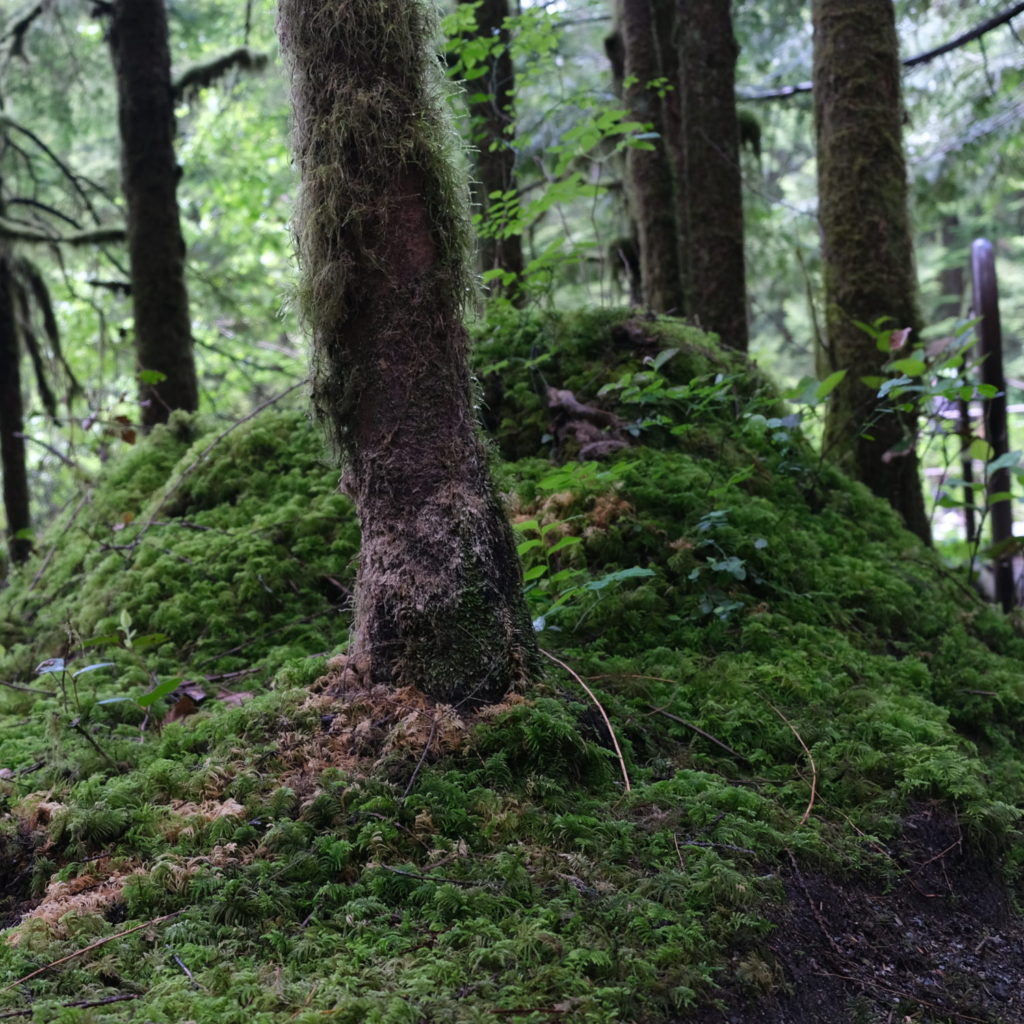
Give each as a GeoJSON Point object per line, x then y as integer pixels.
{"type": "Point", "coordinates": [12, 444]}
{"type": "Point", "coordinates": [383, 238]}
{"type": "Point", "coordinates": [163, 336]}
{"type": "Point", "coordinates": [713, 187]}
{"type": "Point", "coordinates": [492, 109]}
{"type": "Point", "coordinates": [649, 183]}
{"type": "Point", "coordinates": [867, 249]}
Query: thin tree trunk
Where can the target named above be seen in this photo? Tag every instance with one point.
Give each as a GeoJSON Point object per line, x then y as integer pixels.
{"type": "Point", "coordinates": [383, 239]}
{"type": "Point", "coordinates": [868, 253]}
{"type": "Point", "coordinates": [715, 274]}
{"type": "Point", "coordinates": [12, 425]}
{"type": "Point", "coordinates": [163, 335]}
{"type": "Point", "coordinates": [649, 183]}
{"type": "Point", "coordinates": [493, 132]}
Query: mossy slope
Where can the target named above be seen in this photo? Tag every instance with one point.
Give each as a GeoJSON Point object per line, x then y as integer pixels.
{"type": "Point", "coordinates": [789, 673]}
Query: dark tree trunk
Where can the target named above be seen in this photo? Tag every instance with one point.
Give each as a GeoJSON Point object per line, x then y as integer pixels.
{"type": "Point", "coordinates": [12, 444]}
{"type": "Point", "coordinates": [649, 182]}
{"type": "Point", "coordinates": [383, 239]}
{"type": "Point", "coordinates": [163, 336]}
{"type": "Point", "coordinates": [493, 130]}
{"type": "Point", "coordinates": [868, 254]}
{"type": "Point", "coordinates": [713, 187]}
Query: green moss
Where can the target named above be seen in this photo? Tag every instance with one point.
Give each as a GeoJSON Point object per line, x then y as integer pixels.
{"type": "Point", "coordinates": [729, 602]}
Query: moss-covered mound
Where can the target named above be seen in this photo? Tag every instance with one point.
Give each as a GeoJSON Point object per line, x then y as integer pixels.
{"type": "Point", "coordinates": [810, 801]}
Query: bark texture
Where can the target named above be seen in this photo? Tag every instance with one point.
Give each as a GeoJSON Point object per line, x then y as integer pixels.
{"type": "Point", "coordinates": [650, 186]}
{"type": "Point", "coordinates": [383, 241]}
{"type": "Point", "coordinates": [492, 109]}
{"type": "Point", "coordinates": [163, 336]}
{"type": "Point", "coordinates": [867, 248]}
{"type": "Point", "coordinates": [712, 183]}
{"type": "Point", "coordinates": [12, 444]}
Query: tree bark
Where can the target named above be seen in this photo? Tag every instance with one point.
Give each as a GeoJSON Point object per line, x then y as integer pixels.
{"type": "Point", "coordinates": [867, 248]}
{"type": "Point", "coordinates": [383, 241]}
{"type": "Point", "coordinates": [12, 425]}
{"type": "Point", "coordinates": [649, 181]}
{"type": "Point", "coordinates": [492, 109]}
{"type": "Point", "coordinates": [163, 336]}
{"type": "Point", "coordinates": [713, 186]}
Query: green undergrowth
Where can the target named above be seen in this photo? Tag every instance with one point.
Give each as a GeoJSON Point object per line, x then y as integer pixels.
{"type": "Point", "coordinates": [786, 670]}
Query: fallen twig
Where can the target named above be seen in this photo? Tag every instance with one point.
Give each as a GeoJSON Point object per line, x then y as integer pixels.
{"type": "Point", "coordinates": [604, 715]}
{"type": "Point", "coordinates": [700, 732]}
{"type": "Point", "coordinates": [86, 949]}
{"type": "Point", "coordinates": [810, 758]}
{"type": "Point", "coordinates": [78, 1004]}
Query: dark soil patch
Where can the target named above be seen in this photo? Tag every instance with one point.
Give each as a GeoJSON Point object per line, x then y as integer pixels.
{"type": "Point", "coordinates": [940, 945]}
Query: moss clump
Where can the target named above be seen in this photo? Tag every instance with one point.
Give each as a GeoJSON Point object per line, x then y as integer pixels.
{"type": "Point", "coordinates": [796, 684]}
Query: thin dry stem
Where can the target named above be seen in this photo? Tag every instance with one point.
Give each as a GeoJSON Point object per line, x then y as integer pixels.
{"type": "Point", "coordinates": [604, 715]}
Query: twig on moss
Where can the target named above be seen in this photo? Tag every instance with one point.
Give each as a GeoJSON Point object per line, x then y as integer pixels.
{"type": "Point", "coordinates": [87, 949]}
{"type": "Point", "coordinates": [604, 715]}
{"type": "Point", "coordinates": [814, 767]}
{"type": "Point", "coordinates": [700, 732]}
{"type": "Point", "coordinates": [78, 1004]}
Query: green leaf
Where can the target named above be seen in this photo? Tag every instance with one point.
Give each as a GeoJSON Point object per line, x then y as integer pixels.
{"type": "Point", "coordinates": [1011, 460]}
{"type": "Point", "coordinates": [829, 384]}
{"type": "Point", "coordinates": [535, 573]}
{"type": "Point", "coordinates": [565, 542]}
{"type": "Point", "coordinates": [635, 572]}
{"type": "Point", "coordinates": [527, 545]}
{"type": "Point", "coordinates": [151, 376]}
{"type": "Point", "coordinates": [911, 366]}
{"type": "Point", "coordinates": [161, 690]}
{"type": "Point", "coordinates": [981, 449]}
{"type": "Point", "coordinates": [91, 668]}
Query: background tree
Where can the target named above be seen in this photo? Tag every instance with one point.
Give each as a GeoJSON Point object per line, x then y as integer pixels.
{"type": "Point", "coordinates": [867, 247]}
{"type": "Point", "coordinates": [712, 183]}
{"type": "Point", "coordinates": [650, 188]}
{"type": "Point", "coordinates": [491, 99]}
{"type": "Point", "coordinates": [383, 239]}
{"type": "Point", "coordinates": [156, 248]}
{"type": "Point", "coordinates": [12, 418]}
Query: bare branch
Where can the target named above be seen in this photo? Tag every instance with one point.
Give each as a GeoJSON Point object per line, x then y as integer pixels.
{"type": "Point", "coordinates": [963, 39]}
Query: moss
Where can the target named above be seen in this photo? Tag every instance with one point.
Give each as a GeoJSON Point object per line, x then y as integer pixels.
{"type": "Point", "coordinates": [751, 622]}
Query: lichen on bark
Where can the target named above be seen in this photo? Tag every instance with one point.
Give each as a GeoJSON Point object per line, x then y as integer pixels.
{"type": "Point", "coordinates": [383, 242]}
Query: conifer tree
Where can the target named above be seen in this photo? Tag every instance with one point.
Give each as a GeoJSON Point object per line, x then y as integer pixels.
{"type": "Point", "coordinates": [383, 242]}
{"type": "Point", "coordinates": [867, 247]}
{"type": "Point", "coordinates": [492, 109]}
{"type": "Point", "coordinates": [156, 249]}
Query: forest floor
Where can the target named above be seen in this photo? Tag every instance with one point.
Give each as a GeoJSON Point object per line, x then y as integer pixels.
{"type": "Point", "coordinates": [815, 817]}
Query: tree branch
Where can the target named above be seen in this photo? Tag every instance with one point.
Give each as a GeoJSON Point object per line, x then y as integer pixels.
{"type": "Point", "coordinates": [199, 76]}
{"type": "Point", "coordinates": [17, 232]}
{"type": "Point", "coordinates": [911, 62]}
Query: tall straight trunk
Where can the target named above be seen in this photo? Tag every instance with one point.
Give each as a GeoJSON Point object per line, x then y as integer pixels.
{"type": "Point", "coordinates": [649, 182]}
{"type": "Point", "coordinates": [383, 241]}
{"type": "Point", "coordinates": [713, 186]}
{"type": "Point", "coordinates": [492, 109]}
{"type": "Point", "coordinates": [163, 335]}
{"type": "Point", "coordinates": [12, 425]}
{"type": "Point", "coordinates": [867, 248]}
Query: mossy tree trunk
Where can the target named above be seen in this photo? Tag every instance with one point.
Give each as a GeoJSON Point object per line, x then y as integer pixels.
{"type": "Point", "coordinates": [867, 248]}
{"type": "Point", "coordinates": [712, 184]}
{"type": "Point", "coordinates": [492, 109]}
{"type": "Point", "coordinates": [383, 240]}
{"type": "Point", "coordinates": [12, 425]}
{"type": "Point", "coordinates": [649, 182]}
{"type": "Point", "coordinates": [163, 335]}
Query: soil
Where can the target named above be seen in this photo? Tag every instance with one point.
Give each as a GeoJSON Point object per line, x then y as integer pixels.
{"type": "Point", "coordinates": [942, 944]}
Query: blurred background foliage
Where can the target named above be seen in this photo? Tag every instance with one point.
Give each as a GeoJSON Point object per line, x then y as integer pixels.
{"type": "Point", "coordinates": [59, 171]}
